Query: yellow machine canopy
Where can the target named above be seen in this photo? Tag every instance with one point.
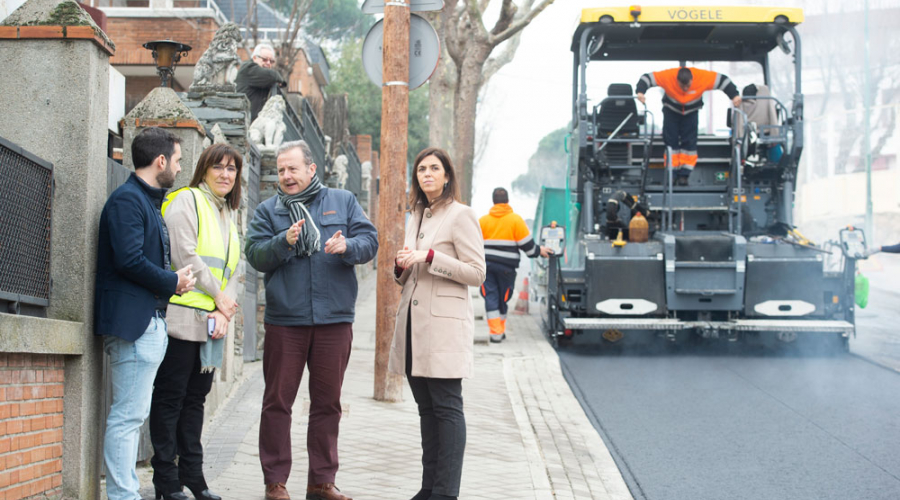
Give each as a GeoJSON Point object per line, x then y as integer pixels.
{"type": "Point", "coordinates": [707, 33]}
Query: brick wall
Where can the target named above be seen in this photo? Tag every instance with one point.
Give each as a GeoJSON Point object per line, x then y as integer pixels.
{"type": "Point", "coordinates": [31, 421]}
{"type": "Point", "coordinates": [137, 88]}
{"type": "Point", "coordinates": [130, 33]}
{"type": "Point", "coordinates": [363, 145]}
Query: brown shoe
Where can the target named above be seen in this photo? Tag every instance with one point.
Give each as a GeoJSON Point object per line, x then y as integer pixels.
{"type": "Point", "coordinates": [325, 491]}
{"type": "Point", "coordinates": [277, 491]}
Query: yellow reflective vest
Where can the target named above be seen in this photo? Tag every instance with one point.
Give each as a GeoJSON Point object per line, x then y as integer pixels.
{"type": "Point", "coordinates": [210, 248]}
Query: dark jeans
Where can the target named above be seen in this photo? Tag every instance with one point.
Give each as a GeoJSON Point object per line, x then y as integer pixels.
{"type": "Point", "coordinates": [497, 289]}
{"type": "Point", "coordinates": [176, 416]}
{"type": "Point", "coordinates": [443, 427]}
{"type": "Point", "coordinates": [680, 134]}
{"type": "Point", "coordinates": [325, 349]}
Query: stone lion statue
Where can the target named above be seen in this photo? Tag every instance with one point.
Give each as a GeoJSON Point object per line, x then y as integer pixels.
{"type": "Point", "coordinates": [340, 171]}
{"type": "Point", "coordinates": [218, 66]}
{"type": "Point", "coordinates": [267, 130]}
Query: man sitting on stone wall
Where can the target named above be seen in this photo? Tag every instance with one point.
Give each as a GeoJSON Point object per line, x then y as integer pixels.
{"type": "Point", "coordinates": [257, 76]}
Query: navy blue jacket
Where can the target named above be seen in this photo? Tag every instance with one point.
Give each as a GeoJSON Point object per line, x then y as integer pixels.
{"type": "Point", "coordinates": [131, 280]}
{"type": "Point", "coordinates": [316, 290]}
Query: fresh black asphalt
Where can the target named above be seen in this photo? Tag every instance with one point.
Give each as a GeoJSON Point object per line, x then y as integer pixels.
{"type": "Point", "coordinates": [708, 424]}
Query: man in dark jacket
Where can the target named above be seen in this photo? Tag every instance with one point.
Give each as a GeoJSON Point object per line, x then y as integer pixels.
{"type": "Point", "coordinates": [306, 239]}
{"type": "Point", "coordinates": [134, 283]}
{"type": "Point", "coordinates": [256, 78]}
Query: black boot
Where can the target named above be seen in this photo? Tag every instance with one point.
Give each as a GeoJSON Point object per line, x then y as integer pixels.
{"type": "Point", "coordinates": [174, 495]}
{"type": "Point", "coordinates": [423, 494]}
{"type": "Point", "coordinates": [200, 490]}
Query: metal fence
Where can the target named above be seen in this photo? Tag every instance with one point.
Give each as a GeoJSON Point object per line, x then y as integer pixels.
{"type": "Point", "coordinates": [313, 135]}
{"type": "Point", "coordinates": [26, 198]}
{"type": "Point", "coordinates": [354, 169]}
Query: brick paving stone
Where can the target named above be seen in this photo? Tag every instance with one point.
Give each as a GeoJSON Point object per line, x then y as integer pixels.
{"type": "Point", "coordinates": [527, 435]}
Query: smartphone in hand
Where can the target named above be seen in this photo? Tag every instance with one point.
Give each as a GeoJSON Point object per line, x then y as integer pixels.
{"type": "Point", "coordinates": [210, 325]}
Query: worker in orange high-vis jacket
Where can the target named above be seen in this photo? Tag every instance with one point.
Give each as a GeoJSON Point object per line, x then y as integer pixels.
{"type": "Point", "coordinates": [505, 233]}
{"type": "Point", "coordinates": [684, 88]}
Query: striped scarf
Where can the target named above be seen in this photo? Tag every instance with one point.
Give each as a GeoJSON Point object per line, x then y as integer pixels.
{"type": "Point", "coordinates": [309, 240]}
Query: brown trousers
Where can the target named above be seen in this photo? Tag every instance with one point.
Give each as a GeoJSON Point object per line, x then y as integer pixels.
{"type": "Point", "coordinates": [326, 350]}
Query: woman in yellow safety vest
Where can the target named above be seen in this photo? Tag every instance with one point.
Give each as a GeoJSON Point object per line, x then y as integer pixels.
{"type": "Point", "coordinates": [202, 234]}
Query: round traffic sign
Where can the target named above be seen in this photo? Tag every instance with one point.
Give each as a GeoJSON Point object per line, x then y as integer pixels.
{"type": "Point", "coordinates": [424, 51]}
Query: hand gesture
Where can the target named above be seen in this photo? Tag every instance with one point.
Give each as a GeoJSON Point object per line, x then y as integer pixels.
{"type": "Point", "coordinates": [872, 251]}
{"type": "Point", "coordinates": [186, 280]}
{"type": "Point", "coordinates": [546, 251]}
{"type": "Point", "coordinates": [407, 258]}
{"type": "Point", "coordinates": [337, 244]}
{"type": "Point", "coordinates": [226, 305]}
{"type": "Point", "coordinates": [293, 232]}
{"type": "Point", "coordinates": [641, 97]}
{"type": "Point", "coordinates": [221, 324]}
{"type": "Point", "coordinates": [401, 257]}
{"type": "Point", "coordinates": [736, 101]}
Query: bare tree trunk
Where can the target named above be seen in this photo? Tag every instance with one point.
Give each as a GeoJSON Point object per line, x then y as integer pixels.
{"type": "Point", "coordinates": [465, 106]}
{"type": "Point", "coordinates": [469, 45]}
{"type": "Point", "coordinates": [440, 110]}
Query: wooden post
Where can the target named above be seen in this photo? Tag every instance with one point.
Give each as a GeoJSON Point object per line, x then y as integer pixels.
{"type": "Point", "coordinates": [392, 195]}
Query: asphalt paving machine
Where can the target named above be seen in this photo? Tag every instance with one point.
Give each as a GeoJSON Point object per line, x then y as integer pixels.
{"type": "Point", "coordinates": [721, 257]}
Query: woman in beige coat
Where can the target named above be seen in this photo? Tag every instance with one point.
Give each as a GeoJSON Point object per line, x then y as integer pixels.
{"type": "Point", "coordinates": [443, 256]}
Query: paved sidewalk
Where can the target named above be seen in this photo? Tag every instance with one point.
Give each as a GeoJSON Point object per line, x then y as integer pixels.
{"type": "Point", "coordinates": [528, 437]}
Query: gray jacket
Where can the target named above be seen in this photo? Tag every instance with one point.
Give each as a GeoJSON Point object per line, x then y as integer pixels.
{"type": "Point", "coordinates": [316, 290]}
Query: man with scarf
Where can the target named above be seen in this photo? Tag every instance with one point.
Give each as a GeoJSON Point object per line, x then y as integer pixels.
{"type": "Point", "coordinates": [306, 239]}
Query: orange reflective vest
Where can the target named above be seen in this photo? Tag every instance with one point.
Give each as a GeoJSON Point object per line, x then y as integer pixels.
{"type": "Point", "coordinates": [505, 233]}
{"type": "Point", "coordinates": [679, 100]}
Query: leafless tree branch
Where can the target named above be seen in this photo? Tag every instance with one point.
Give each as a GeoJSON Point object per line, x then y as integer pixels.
{"type": "Point", "coordinates": [520, 24]}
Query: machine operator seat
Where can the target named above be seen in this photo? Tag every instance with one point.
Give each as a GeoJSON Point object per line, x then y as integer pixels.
{"type": "Point", "coordinates": [613, 110]}
{"type": "Point", "coordinates": [763, 117]}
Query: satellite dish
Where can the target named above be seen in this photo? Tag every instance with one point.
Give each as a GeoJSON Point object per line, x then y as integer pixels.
{"type": "Point", "coordinates": [424, 51]}
{"type": "Point", "coordinates": [377, 6]}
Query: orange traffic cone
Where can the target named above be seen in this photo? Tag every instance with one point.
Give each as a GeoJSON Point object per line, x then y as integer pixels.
{"type": "Point", "coordinates": [522, 301]}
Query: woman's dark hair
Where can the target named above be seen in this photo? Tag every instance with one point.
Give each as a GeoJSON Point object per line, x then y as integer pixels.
{"type": "Point", "coordinates": [451, 188]}
{"type": "Point", "coordinates": [150, 143]}
{"type": "Point", "coordinates": [212, 156]}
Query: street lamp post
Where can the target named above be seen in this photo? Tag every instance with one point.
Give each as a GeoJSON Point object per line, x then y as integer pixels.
{"type": "Point", "coordinates": [167, 54]}
{"type": "Point", "coordinates": [867, 110]}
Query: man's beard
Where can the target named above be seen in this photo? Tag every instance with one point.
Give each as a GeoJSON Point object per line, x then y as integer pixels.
{"type": "Point", "coordinates": [166, 178]}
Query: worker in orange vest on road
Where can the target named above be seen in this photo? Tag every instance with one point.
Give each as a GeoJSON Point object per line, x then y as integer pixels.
{"type": "Point", "coordinates": [505, 233]}
{"type": "Point", "coordinates": [684, 89]}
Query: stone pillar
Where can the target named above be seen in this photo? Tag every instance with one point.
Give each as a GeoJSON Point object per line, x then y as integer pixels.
{"type": "Point", "coordinates": [230, 110]}
{"type": "Point", "coordinates": [54, 100]}
{"type": "Point", "coordinates": [163, 108]}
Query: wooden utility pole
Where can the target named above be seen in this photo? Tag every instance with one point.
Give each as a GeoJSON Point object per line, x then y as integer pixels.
{"type": "Point", "coordinates": [392, 191]}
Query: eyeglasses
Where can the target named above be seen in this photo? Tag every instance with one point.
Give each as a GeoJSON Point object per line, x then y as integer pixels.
{"type": "Point", "coordinates": [229, 169]}
{"type": "Point", "coordinates": [269, 60]}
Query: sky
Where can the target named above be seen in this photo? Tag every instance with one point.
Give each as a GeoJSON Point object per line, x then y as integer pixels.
{"type": "Point", "coordinates": [531, 97]}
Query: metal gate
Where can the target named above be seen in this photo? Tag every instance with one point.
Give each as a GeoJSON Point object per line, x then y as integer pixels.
{"type": "Point", "coordinates": [26, 197]}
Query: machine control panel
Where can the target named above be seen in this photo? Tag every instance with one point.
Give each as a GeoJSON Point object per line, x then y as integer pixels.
{"type": "Point", "coordinates": [853, 243]}
{"type": "Point", "coordinates": [554, 237]}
